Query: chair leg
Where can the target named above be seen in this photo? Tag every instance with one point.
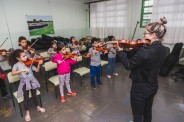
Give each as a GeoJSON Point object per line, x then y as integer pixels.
{"type": "Point", "coordinates": [101, 71]}
{"type": "Point", "coordinates": [40, 100]}
{"type": "Point", "coordinates": [81, 81]}
{"type": "Point", "coordinates": [13, 101]}
{"type": "Point", "coordinates": [56, 92]}
{"type": "Point", "coordinates": [11, 93]}
{"type": "Point", "coordinates": [20, 110]}
{"type": "Point", "coordinates": [72, 77]}
{"type": "Point", "coordinates": [41, 73]}
{"type": "Point", "coordinates": [46, 82]}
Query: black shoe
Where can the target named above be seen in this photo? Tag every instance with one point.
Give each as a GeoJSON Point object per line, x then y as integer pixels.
{"type": "Point", "coordinates": [100, 84]}
{"type": "Point", "coordinates": [94, 86]}
{"type": "Point", "coordinates": [6, 96]}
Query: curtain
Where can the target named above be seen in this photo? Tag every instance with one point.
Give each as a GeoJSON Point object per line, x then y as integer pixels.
{"type": "Point", "coordinates": [109, 18]}
{"type": "Point", "coordinates": [173, 10]}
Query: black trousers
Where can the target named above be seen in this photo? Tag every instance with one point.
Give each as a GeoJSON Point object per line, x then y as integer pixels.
{"type": "Point", "coordinates": [26, 97]}
{"type": "Point", "coordinates": [142, 107]}
{"type": "Point", "coordinates": [3, 87]}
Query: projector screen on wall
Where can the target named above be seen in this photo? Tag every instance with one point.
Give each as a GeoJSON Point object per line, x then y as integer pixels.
{"type": "Point", "coordinates": [38, 25]}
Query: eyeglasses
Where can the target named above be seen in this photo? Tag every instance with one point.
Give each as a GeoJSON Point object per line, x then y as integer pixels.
{"type": "Point", "coordinates": [146, 33]}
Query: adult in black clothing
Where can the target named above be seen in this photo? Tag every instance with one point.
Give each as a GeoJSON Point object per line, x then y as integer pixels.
{"type": "Point", "coordinates": [145, 66]}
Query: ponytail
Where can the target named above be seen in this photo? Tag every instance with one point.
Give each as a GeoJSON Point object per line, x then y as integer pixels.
{"type": "Point", "coordinates": [12, 59]}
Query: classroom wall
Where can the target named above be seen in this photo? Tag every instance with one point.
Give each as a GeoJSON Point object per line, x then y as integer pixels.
{"type": "Point", "coordinates": [135, 15]}
{"type": "Point", "coordinates": [69, 17]}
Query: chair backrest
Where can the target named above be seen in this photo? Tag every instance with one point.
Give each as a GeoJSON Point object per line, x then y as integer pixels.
{"type": "Point", "coordinates": [83, 48]}
{"type": "Point", "coordinates": [45, 55]}
{"type": "Point", "coordinates": [181, 61]}
{"type": "Point", "coordinates": [181, 53]}
{"type": "Point", "coordinates": [79, 58]}
{"type": "Point", "coordinates": [12, 78]}
{"type": "Point", "coordinates": [167, 51]}
{"type": "Point", "coordinates": [50, 66]}
{"type": "Point", "coordinates": [68, 49]}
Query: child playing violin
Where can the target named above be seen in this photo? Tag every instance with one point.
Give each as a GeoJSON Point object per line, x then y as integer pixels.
{"type": "Point", "coordinates": [95, 63]}
{"type": "Point", "coordinates": [74, 44]}
{"type": "Point", "coordinates": [24, 46]}
{"type": "Point", "coordinates": [28, 83]}
{"type": "Point", "coordinates": [111, 67]}
{"type": "Point", "coordinates": [52, 49]}
{"type": "Point", "coordinates": [63, 69]}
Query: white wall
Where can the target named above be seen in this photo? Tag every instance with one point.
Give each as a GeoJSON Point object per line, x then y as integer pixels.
{"type": "Point", "coordinates": [135, 15]}
{"type": "Point", "coordinates": [69, 18]}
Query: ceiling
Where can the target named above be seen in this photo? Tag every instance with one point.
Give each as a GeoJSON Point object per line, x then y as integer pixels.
{"type": "Point", "coordinates": [88, 0]}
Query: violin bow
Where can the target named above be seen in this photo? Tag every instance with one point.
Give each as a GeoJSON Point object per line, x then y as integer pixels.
{"type": "Point", "coordinates": [135, 30]}
{"type": "Point", "coordinates": [4, 42]}
{"type": "Point", "coordinates": [34, 42]}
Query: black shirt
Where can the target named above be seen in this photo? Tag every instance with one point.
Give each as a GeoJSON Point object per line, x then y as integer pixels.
{"type": "Point", "coordinates": [145, 66]}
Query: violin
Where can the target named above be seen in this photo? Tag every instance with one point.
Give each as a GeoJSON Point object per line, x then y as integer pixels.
{"type": "Point", "coordinates": [85, 55]}
{"type": "Point", "coordinates": [78, 43]}
{"type": "Point", "coordinates": [81, 43]}
{"type": "Point", "coordinates": [28, 48]}
{"type": "Point", "coordinates": [133, 44]}
{"type": "Point", "coordinates": [70, 55]}
{"type": "Point", "coordinates": [6, 51]}
{"type": "Point", "coordinates": [55, 49]}
{"type": "Point", "coordinates": [101, 49]}
{"type": "Point", "coordinates": [3, 50]}
{"type": "Point", "coordinates": [3, 76]}
{"type": "Point", "coordinates": [114, 43]}
{"type": "Point", "coordinates": [33, 61]}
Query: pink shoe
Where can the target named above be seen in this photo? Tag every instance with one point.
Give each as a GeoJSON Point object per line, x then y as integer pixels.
{"type": "Point", "coordinates": [62, 99]}
{"type": "Point", "coordinates": [71, 93]}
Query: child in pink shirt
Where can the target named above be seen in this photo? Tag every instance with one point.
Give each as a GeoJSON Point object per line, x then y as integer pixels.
{"type": "Point", "coordinates": [63, 69]}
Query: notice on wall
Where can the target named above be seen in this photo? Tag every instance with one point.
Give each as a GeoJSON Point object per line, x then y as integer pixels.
{"type": "Point", "coordinates": [38, 25]}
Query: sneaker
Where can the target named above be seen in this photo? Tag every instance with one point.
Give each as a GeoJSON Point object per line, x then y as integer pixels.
{"type": "Point", "coordinates": [100, 84]}
{"type": "Point", "coordinates": [71, 93]}
{"type": "Point", "coordinates": [116, 74]}
{"type": "Point", "coordinates": [27, 118]}
{"type": "Point", "coordinates": [62, 99]}
{"type": "Point", "coordinates": [108, 76]}
{"type": "Point", "coordinates": [42, 110]}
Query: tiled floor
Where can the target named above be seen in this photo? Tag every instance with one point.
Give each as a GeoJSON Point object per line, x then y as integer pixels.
{"type": "Point", "coordinates": [109, 103]}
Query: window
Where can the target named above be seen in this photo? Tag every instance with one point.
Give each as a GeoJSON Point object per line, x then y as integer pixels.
{"type": "Point", "coordinates": [108, 14]}
{"type": "Point", "coordinates": [146, 12]}
{"type": "Point", "coordinates": [109, 18]}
